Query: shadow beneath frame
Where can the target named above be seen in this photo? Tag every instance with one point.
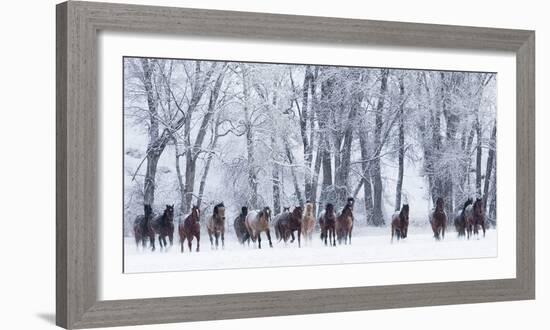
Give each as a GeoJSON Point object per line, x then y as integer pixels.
{"type": "Point", "coordinates": [47, 317]}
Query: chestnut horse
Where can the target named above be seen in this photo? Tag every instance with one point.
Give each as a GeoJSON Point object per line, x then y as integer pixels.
{"type": "Point", "coordinates": [163, 225]}
{"type": "Point", "coordinates": [216, 224]}
{"type": "Point", "coordinates": [190, 227]}
{"type": "Point", "coordinates": [327, 222]}
{"type": "Point", "coordinates": [287, 223]}
{"type": "Point", "coordinates": [460, 219]}
{"type": "Point", "coordinates": [344, 223]}
{"type": "Point", "coordinates": [308, 222]}
{"type": "Point", "coordinates": [142, 228]}
{"type": "Point", "coordinates": [475, 217]}
{"type": "Point", "coordinates": [438, 219]}
{"type": "Point", "coordinates": [240, 227]}
{"type": "Point", "coordinates": [400, 223]}
{"type": "Point", "coordinates": [257, 222]}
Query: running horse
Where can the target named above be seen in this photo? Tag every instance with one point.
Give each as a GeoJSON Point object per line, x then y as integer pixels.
{"type": "Point", "coordinates": [327, 222]}
{"type": "Point", "coordinates": [163, 225]}
{"type": "Point", "coordinates": [287, 223]}
{"type": "Point", "coordinates": [344, 222]}
{"type": "Point", "coordinates": [190, 228]}
{"type": "Point", "coordinates": [142, 228]}
{"type": "Point", "coordinates": [475, 218]}
{"type": "Point", "coordinates": [256, 222]}
{"type": "Point", "coordinates": [308, 222]}
{"type": "Point", "coordinates": [438, 219]}
{"type": "Point", "coordinates": [400, 223]}
{"type": "Point", "coordinates": [216, 225]}
{"type": "Point", "coordinates": [460, 219]}
{"type": "Point", "coordinates": [240, 227]}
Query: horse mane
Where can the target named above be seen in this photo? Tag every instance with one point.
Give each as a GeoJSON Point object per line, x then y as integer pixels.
{"type": "Point", "coordinates": [404, 209]}
{"type": "Point", "coordinates": [469, 201]}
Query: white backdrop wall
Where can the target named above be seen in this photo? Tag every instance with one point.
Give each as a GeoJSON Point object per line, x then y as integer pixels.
{"type": "Point", "coordinates": [27, 105]}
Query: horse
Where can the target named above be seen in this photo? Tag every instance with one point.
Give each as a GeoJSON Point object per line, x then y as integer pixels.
{"type": "Point", "coordinates": [475, 217]}
{"type": "Point", "coordinates": [216, 225]}
{"type": "Point", "coordinates": [344, 222]}
{"type": "Point", "coordinates": [142, 227]}
{"type": "Point", "coordinates": [190, 227]}
{"type": "Point", "coordinates": [240, 227]}
{"type": "Point", "coordinates": [256, 222]}
{"type": "Point", "coordinates": [287, 223]}
{"type": "Point", "coordinates": [400, 223]}
{"type": "Point", "coordinates": [327, 222]}
{"type": "Point", "coordinates": [163, 225]}
{"type": "Point", "coordinates": [438, 219]}
{"type": "Point", "coordinates": [460, 219]}
{"type": "Point", "coordinates": [308, 221]}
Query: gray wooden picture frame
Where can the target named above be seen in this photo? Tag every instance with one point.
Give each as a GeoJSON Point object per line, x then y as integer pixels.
{"type": "Point", "coordinates": [77, 190]}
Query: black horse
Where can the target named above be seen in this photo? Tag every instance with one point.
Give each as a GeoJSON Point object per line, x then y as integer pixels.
{"type": "Point", "coordinates": [163, 226]}
{"type": "Point", "coordinates": [143, 229]}
{"type": "Point", "coordinates": [460, 219]}
{"type": "Point", "coordinates": [240, 228]}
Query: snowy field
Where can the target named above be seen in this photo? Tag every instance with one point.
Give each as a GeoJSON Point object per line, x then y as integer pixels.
{"type": "Point", "coordinates": [368, 245]}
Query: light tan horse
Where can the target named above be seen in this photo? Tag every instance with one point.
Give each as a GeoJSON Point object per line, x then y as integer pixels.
{"type": "Point", "coordinates": [257, 222]}
{"type": "Point", "coordinates": [216, 225]}
{"type": "Point", "coordinates": [308, 222]}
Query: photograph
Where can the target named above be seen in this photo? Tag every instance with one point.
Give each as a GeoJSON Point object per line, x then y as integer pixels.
{"type": "Point", "coordinates": [232, 165]}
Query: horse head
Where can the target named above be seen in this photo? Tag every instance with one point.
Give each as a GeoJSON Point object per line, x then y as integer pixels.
{"type": "Point", "coordinates": [309, 208]}
{"type": "Point", "coordinates": [169, 212]}
{"type": "Point", "coordinates": [286, 209]}
{"type": "Point", "coordinates": [244, 211]}
{"type": "Point", "coordinates": [439, 204]}
{"type": "Point", "coordinates": [350, 202]}
{"type": "Point", "coordinates": [478, 206]}
{"type": "Point", "coordinates": [195, 213]}
{"type": "Point", "coordinates": [219, 211]}
{"type": "Point", "coordinates": [267, 212]}
{"type": "Point", "coordinates": [297, 212]}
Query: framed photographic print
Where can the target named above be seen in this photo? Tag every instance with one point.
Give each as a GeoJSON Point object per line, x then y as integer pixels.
{"type": "Point", "coordinates": [216, 165]}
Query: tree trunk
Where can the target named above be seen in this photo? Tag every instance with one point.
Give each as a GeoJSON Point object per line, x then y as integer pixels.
{"type": "Point", "coordinates": [153, 149]}
{"type": "Point", "coordinates": [252, 178]}
{"type": "Point", "coordinates": [365, 180]}
{"type": "Point", "coordinates": [490, 165]}
{"type": "Point", "coordinates": [377, 214]}
{"type": "Point", "coordinates": [478, 157]}
{"type": "Point", "coordinates": [401, 146]}
{"type": "Point", "coordinates": [290, 158]}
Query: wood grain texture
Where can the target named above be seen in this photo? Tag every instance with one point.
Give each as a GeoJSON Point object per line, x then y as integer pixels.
{"type": "Point", "coordinates": [77, 158]}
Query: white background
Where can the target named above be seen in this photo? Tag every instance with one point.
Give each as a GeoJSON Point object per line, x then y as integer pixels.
{"type": "Point", "coordinates": [27, 135]}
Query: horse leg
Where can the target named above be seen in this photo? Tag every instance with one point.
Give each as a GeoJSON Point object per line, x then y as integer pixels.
{"type": "Point", "coordinates": [333, 236]}
{"type": "Point", "coordinates": [171, 239]}
{"type": "Point", "coordinates": [217, 235]}
{"type": "Point", "coordinates": [152, 240]}
{"type": "Point", "coordinates": [299, 234]}
{"type": "Point", "coordinates": [269, 238]}
{"type": "Point", "coordinates": [259, 240]}
{"type": "Point", "coordinates": [223, 240]}
{"type": "Point", "coordinates": [198, 242]}
{"type": "Point", "coordinates": [292, 235]}
{"type": "Point", "coordinates": [181, 243]}
{"type": "Point", "coordinates": [160, 242]}
{"type": "Point", "coordinates": [350, 236]}
{"type": "Point", "coordinates": [483, 227]}
{"type": "Point", "coordinates": [211, 240]}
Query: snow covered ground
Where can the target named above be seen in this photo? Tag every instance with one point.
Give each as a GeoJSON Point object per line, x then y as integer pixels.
{"type": "Point", "coordinates": [368, 245]}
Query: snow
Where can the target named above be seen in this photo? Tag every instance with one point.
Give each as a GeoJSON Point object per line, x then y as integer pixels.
{"type": "Point", "coordinates": [368, 245]}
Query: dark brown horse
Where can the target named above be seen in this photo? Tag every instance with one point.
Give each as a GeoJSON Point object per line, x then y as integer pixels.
{"type": "Point", "coordinates": [327, 222]}
{"type": "Point", "coordinates": [163, 226]}
{"type": "Point", "coordinates": [438, 219]}
{"type": "Point", "coordinates": [475, 218]}
{"type": "Point", "coordinates": [400, 223]}
{"type": "Point", "coordinates": [240, 227]}
{"type": "Point", "coordinates": [344, 222]}
{"type": "Point", "coordinates": [190, 228]}
{"type": "Point", "coordinates": [142, 227]}
{"type": "Point", "coordinates": [460, 219]}
{"type": "Point", "coordinates": [216, 225]}
{"type": "Point", "coordinates": [257, 222]}
{"type": "Point", "coordinates": [287, 223]}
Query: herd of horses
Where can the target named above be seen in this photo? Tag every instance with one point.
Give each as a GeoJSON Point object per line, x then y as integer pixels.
{"type": "Point", "coordinates": [292, 225]}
